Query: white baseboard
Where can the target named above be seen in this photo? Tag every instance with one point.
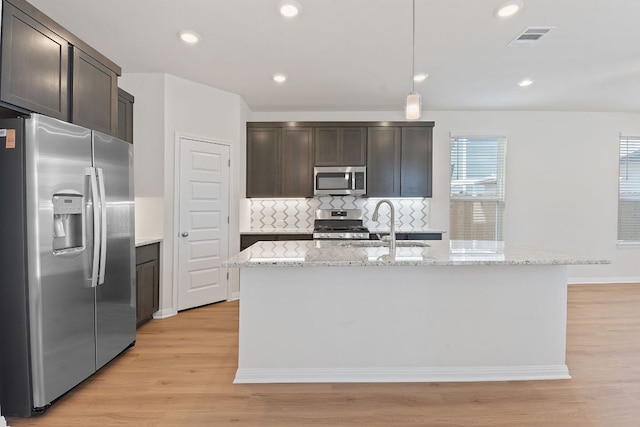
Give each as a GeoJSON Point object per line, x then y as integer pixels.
{"type": "Point", "coordinates": [602, 280]}
{"type": "Point", "coordinates": [343, 375]}
{"type": "Point", "coordinates": [234, 296]}
{"type": "Point", "coordinates": [164, 313]}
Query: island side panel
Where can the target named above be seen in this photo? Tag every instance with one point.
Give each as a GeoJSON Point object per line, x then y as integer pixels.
{"type": "Point", "coordinates": [440, 323]}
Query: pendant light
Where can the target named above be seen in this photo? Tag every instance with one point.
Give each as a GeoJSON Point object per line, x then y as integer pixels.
{"type": "Point", "coordinates": [413, 103]}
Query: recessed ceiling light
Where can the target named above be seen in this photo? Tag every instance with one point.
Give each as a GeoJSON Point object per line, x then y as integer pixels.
{"type": "Point", "coordinates": [525, 82]}
{"type": "Point", "coordinates": [509, 8]}
{"type": "Point", "coordinates": [279, 78]}
{"type": "Point", "coordinates": [189, 36]}
{"type": "Point", "coordinates": [290, 8]}
{"type": "Point", "coordinates": [420, 77]}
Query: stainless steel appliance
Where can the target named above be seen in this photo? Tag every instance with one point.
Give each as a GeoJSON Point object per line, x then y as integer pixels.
{"type": "Point", "coordinates": [339, 224]}
{"type": "Point", "coordinates": [340, 180]}
{"type": "Point", "coordinates": [67, 285]}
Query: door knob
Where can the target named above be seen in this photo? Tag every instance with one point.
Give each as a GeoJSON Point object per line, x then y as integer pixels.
{"type": "Point", "coordinates": [185, 234]}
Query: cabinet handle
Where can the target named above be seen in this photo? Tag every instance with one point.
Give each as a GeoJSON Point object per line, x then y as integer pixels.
{"type": "Point", "coordinates": [185, 234]}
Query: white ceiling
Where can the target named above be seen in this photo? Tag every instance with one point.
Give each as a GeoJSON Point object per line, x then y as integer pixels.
{"type": "Point", "coordinates": [356, 54]}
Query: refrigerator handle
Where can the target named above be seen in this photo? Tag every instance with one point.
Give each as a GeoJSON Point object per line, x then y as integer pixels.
{"type": "Point", "coordinates": [91, 173]}
{"type": "Point", "coordinates": [103, 227]}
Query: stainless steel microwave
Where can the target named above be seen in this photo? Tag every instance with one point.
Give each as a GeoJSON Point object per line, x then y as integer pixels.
{"type": "Point", "coordinates": [340, 180]}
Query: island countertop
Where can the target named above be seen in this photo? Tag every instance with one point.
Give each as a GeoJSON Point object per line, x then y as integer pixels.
{"type": "Point", "coordinates": [330, 253]}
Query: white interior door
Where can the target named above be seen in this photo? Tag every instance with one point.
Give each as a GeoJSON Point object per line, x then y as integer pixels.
{"type": "Point", "coordinates": [204, 223]}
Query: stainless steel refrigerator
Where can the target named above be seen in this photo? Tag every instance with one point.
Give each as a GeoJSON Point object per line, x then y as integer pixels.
{"type": "Point", "coordinates": [67, 285]}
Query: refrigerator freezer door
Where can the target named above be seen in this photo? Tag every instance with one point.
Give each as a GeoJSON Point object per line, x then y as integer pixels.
{"type": "Point", "coordinates": [61, 300]}
{"type": "Point", "coordinates": [116, 303]}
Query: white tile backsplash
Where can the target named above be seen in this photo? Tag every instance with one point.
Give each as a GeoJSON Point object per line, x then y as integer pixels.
{"type": "Point", "coordinates": [411, 214]}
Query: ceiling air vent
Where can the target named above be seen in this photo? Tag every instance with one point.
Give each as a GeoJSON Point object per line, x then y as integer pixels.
{"type": "Point", "coordinates": [530, 36]}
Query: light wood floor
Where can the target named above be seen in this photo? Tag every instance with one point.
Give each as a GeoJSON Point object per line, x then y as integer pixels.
{"type": "Point", "coordinates": [180, 374]}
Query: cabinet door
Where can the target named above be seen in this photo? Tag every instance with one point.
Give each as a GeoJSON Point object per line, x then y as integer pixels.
{"type": "Point", "coordinates": [424, 236]}
{"type": "Point", "coordinates": [35, 65]}
{"type": "Point", "coordinates": [147, 281]}
{"type": "Point", "coordinates": [95, 94]}
{"type": "Point", "coordinates": [263, 162]}
{"type": "Point", "coordinates": [146, 293]}
{"type": "Point", "coordinates": [125, 116]}
{"type": "Point", "coordinates": [383, 162]}
{"type": "Point", "coordinates": [416, 163]}
{"type": "Point", "coordinates": [287, 237]}
{"type": "Point", "coordinates": [354, 146]}
{"type": "Point", "coordinates": [296, 166]}
{"type": "Point", "coordinates": [340, 146]}
{"type": "Point", "coordinates": [327, 146]}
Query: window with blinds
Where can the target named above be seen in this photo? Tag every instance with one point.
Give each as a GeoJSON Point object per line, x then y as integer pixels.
{"type": "Point", "coordinates": [477, 187]}
{"type": "Point", "coordinates": [629, 190]}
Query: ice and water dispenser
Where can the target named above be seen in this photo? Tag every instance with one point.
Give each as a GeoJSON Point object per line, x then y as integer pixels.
{"type": "Point", "coordinates": [68, 220]}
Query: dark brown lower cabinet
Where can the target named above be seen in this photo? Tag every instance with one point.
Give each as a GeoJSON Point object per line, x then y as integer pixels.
{"type": "Point", "coordinates": [147, 281]}
{"type": "Point", "coordinates": [247, 240]}
{"type": "Point", "coordinates": [410, 236]}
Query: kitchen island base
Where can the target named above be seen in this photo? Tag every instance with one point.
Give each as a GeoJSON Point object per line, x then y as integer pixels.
{"type": "Point", "coordinates": [402, 323]}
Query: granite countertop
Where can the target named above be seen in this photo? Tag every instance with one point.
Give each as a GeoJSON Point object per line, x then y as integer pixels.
{"type": "Point", "coordinates": [444, 253]}
{"type": "Point", "coordinates": [287, 230]}
{"type": "Point", "coordinates": [143, 241]}
{"type": "Point", "coordinates": [385, 230]}
{"type": "Point", "coordinates": [382, 230]}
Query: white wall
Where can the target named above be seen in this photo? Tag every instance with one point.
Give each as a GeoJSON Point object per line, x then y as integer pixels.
{"type": "Point", "coordinates": [197, 110]}
{"type": "Point", "coordinates": [148, 153]}
{"type": "Point", "coordinates": [166, 106]}
{"type": "Point", "coordinates": [561, 185]}
{"type": "Point", "coordinates": [562, 168]}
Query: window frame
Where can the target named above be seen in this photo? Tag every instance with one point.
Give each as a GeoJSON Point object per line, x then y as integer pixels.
{"type": "Point", "coordinates": [499, 198]}
{"type": "Point", "coordinates": [635, 189]}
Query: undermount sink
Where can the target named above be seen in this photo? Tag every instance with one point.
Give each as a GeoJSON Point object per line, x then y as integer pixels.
{"type": "Point", "coordinates": [381, 244]}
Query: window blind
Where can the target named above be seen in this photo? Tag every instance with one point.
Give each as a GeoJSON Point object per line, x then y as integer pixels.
{"type": "Point", "coordinates": [629, 190]}
{"type": "Point", "coordinates": [477, 187]}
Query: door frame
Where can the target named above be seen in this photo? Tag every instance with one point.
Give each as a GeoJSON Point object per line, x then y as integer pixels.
{"type": "Point", "coordinates": [176, 209]}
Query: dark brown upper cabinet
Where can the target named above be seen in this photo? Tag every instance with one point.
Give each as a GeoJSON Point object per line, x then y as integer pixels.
{"type": "Point", "coordinates": [340, 146]}
{"type": "Point", "coordinates": [125, 115]}
{"type": "Point", "coordinates": [281, 155]}
{"type": "Point", "coordinates": [263, 162]}
{"type": "Point", "coordinates": [95, 94]}
{"type": "Point", "coordinates": [296, 165]}
{"type": "Point", "coordinates": [45, 69]}
{"type": "Point", "coordinates": [383, 161]}
{"type": "Point", "coordinates": [399, 161]}
{"type": "Point", "coordinates": [279, 162]}
{"type": "Point", "coordinates": [416, 162]}
{"type": "Point", "coordinates": [35, 65]}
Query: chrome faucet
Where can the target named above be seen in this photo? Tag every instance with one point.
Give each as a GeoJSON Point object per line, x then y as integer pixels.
{"type": "Point", "coordinates": [392, 234]}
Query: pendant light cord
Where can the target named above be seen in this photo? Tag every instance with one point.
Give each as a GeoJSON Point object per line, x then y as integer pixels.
{"type": "Point", "coordinates": [413, 55]}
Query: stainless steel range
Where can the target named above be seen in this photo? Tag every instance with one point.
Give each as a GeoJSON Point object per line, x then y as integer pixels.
{"type": "Point", "coordinates": [339, 224]}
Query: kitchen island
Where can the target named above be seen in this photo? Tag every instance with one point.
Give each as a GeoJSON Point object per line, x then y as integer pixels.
{"type": "Point", "coordinates": [320, 311]}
